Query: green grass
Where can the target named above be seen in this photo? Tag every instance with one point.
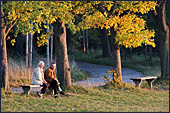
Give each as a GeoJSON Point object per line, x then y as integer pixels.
{"type": "Point", "coordinates": [147, 68]}
{"type": "Point", "coordinates": [99, 99]}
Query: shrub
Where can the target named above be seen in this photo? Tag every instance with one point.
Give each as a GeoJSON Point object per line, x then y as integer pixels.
{"type": "Point", "coordinates": [116, 81]}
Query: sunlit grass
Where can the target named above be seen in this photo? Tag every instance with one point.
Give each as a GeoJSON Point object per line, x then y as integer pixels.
{"type": "Point", "coordinates": [97, 99]}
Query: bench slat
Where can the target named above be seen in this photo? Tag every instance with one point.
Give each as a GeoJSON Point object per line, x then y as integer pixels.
{"type": "Point", "coordinates": [31, 85]}
{"type": "Point", "coordinates": [143, 78]}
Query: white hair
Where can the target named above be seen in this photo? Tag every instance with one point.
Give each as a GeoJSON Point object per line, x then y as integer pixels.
{"type": "Point", "coordinates": [40, 63]}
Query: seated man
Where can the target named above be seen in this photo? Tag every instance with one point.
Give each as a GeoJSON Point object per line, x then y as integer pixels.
{"type": "Point", "coordinates": [50, 77]}
{"type": "Point", "coordinates": [38, 78]}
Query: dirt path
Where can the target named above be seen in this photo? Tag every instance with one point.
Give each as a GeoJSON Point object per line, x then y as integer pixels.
{"type": "Point", "coordinates": [98, 72]}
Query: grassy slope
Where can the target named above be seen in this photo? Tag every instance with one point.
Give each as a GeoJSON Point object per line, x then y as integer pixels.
{"type": "Point", "coordinates": [90, 99]}
{"type": "Point", "coordinates": [96, 99]}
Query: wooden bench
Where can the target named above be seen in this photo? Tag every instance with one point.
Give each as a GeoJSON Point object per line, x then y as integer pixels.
{"type": "Point", "coordinates": [28, 88]}
{"type": "Point", "coordinates": [149, 79]}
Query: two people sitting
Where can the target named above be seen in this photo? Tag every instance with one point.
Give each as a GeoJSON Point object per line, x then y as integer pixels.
{"type": "Point", "coordinates": [47, 79]}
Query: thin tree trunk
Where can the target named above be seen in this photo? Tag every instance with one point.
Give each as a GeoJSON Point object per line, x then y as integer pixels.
{"type": "Point", "coordinates": [26, 58]}
{"type": "Point", "coordinates": [85, 41]}
{"type": "Point", "coordinates": [148, 53]}
{"type": "Point", "coordinates": [48, 46]}
{"type": "Point", "coordinates": [105, 43]}
{"type": "Point", "coordinates": [30, 48]}
{"type": "Point", "coordinates": [116, 55]}
{"type": "Point", "coordinates": [51, 56]}
{"type": "Point", "coordinates": [19, 45]}
{"type": "Point", "coordinates": [1, 61]}
{"type": "Point", "coordinates": [4, 66]}
{"type": "Point", "coordinates": [63, 67]}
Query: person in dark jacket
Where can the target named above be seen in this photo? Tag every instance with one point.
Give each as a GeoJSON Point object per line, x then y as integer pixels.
{"type": "Point", "coordinates": [50, 77]}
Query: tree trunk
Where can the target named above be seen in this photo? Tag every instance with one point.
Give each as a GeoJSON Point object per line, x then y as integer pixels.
{"type": "Point", "coordinates": [1, 62]}
{"type": "Point", "coordinates": [69, 38]}
{"type": "Point", "coordinates": [164, 41]}
{"type": "Point", "coordinates": [105, 43]}
{"type": "Point", "coordinates": [160, 18]}
{"type": "Point", "coordinates": [19, 45]}
{"type": "Point", "coordinates": [4, 63]}
{"type": "Point", "coordinates": [26, 57]}
{"type": "Point", "coordinates": [116, 54]}
{"type": "Point", "coordinates": [63, 67]}
{"type": "Point", "coordinates": [30, 48]}
{"type": "Point", "coordinates": [51, 56]}
{"type": "Point", "coordinates": [148, 53]}
{"type": "Point", "coordinates": [85, 41]}
{"type": "Point", "coordinates": [47, 49]}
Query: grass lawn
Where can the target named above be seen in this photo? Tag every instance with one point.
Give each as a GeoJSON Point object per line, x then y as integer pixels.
{"type": "Point", "coordinates": [97, 99]}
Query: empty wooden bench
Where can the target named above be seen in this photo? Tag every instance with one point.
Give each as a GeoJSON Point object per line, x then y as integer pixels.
{"type": "Point", "coordinates": [28, 88]}
{"type": "Point", "coordinates": [139, 80]}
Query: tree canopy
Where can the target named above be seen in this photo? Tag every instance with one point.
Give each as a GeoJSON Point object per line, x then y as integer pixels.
{"type": "Point", "coordinates": [130, 28]}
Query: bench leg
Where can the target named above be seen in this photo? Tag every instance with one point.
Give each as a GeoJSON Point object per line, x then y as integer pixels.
{"type": "Point", "coordinates": [137, 83]}
{"type": "Point", "coordinates": [26, 89]}
{"type": "Point", "coordinates": [150, 83]}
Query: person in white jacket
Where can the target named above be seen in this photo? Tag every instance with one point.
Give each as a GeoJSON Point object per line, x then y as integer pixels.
{"type": "Point", "coordinates": [38, 78]}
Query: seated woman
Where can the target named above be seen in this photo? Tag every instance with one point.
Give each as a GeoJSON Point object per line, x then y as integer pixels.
{"type": "Point", "coordinates": [38, 78]}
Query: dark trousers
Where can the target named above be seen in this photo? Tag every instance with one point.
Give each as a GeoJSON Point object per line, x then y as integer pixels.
{"type": "Point", "coordinates": [54, 84]}
{"type": "Point", "coordinates": [44, 88]}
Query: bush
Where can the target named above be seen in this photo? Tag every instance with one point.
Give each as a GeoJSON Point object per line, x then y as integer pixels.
{"type": "Point", "coordinates": [116, 81]}
{"type": "Point", "coordinates": [76, 73]}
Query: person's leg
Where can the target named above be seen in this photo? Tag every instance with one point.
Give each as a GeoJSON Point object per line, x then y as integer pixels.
{"type": "Point", "coordinates": [44, 88]}
{"type": "Point", "coordinates": [42, 91]}
{"type": "Point", "coordinates": [58, 87]}
{"type": "Point", "coordinates": [53, 85]}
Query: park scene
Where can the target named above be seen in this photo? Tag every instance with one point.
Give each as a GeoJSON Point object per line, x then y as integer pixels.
{"type": "Point", "coordinates": [84, 56]}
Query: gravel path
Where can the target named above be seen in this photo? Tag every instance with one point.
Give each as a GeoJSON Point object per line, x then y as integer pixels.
{"type": "Point", "coordinates": [98, 72]}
